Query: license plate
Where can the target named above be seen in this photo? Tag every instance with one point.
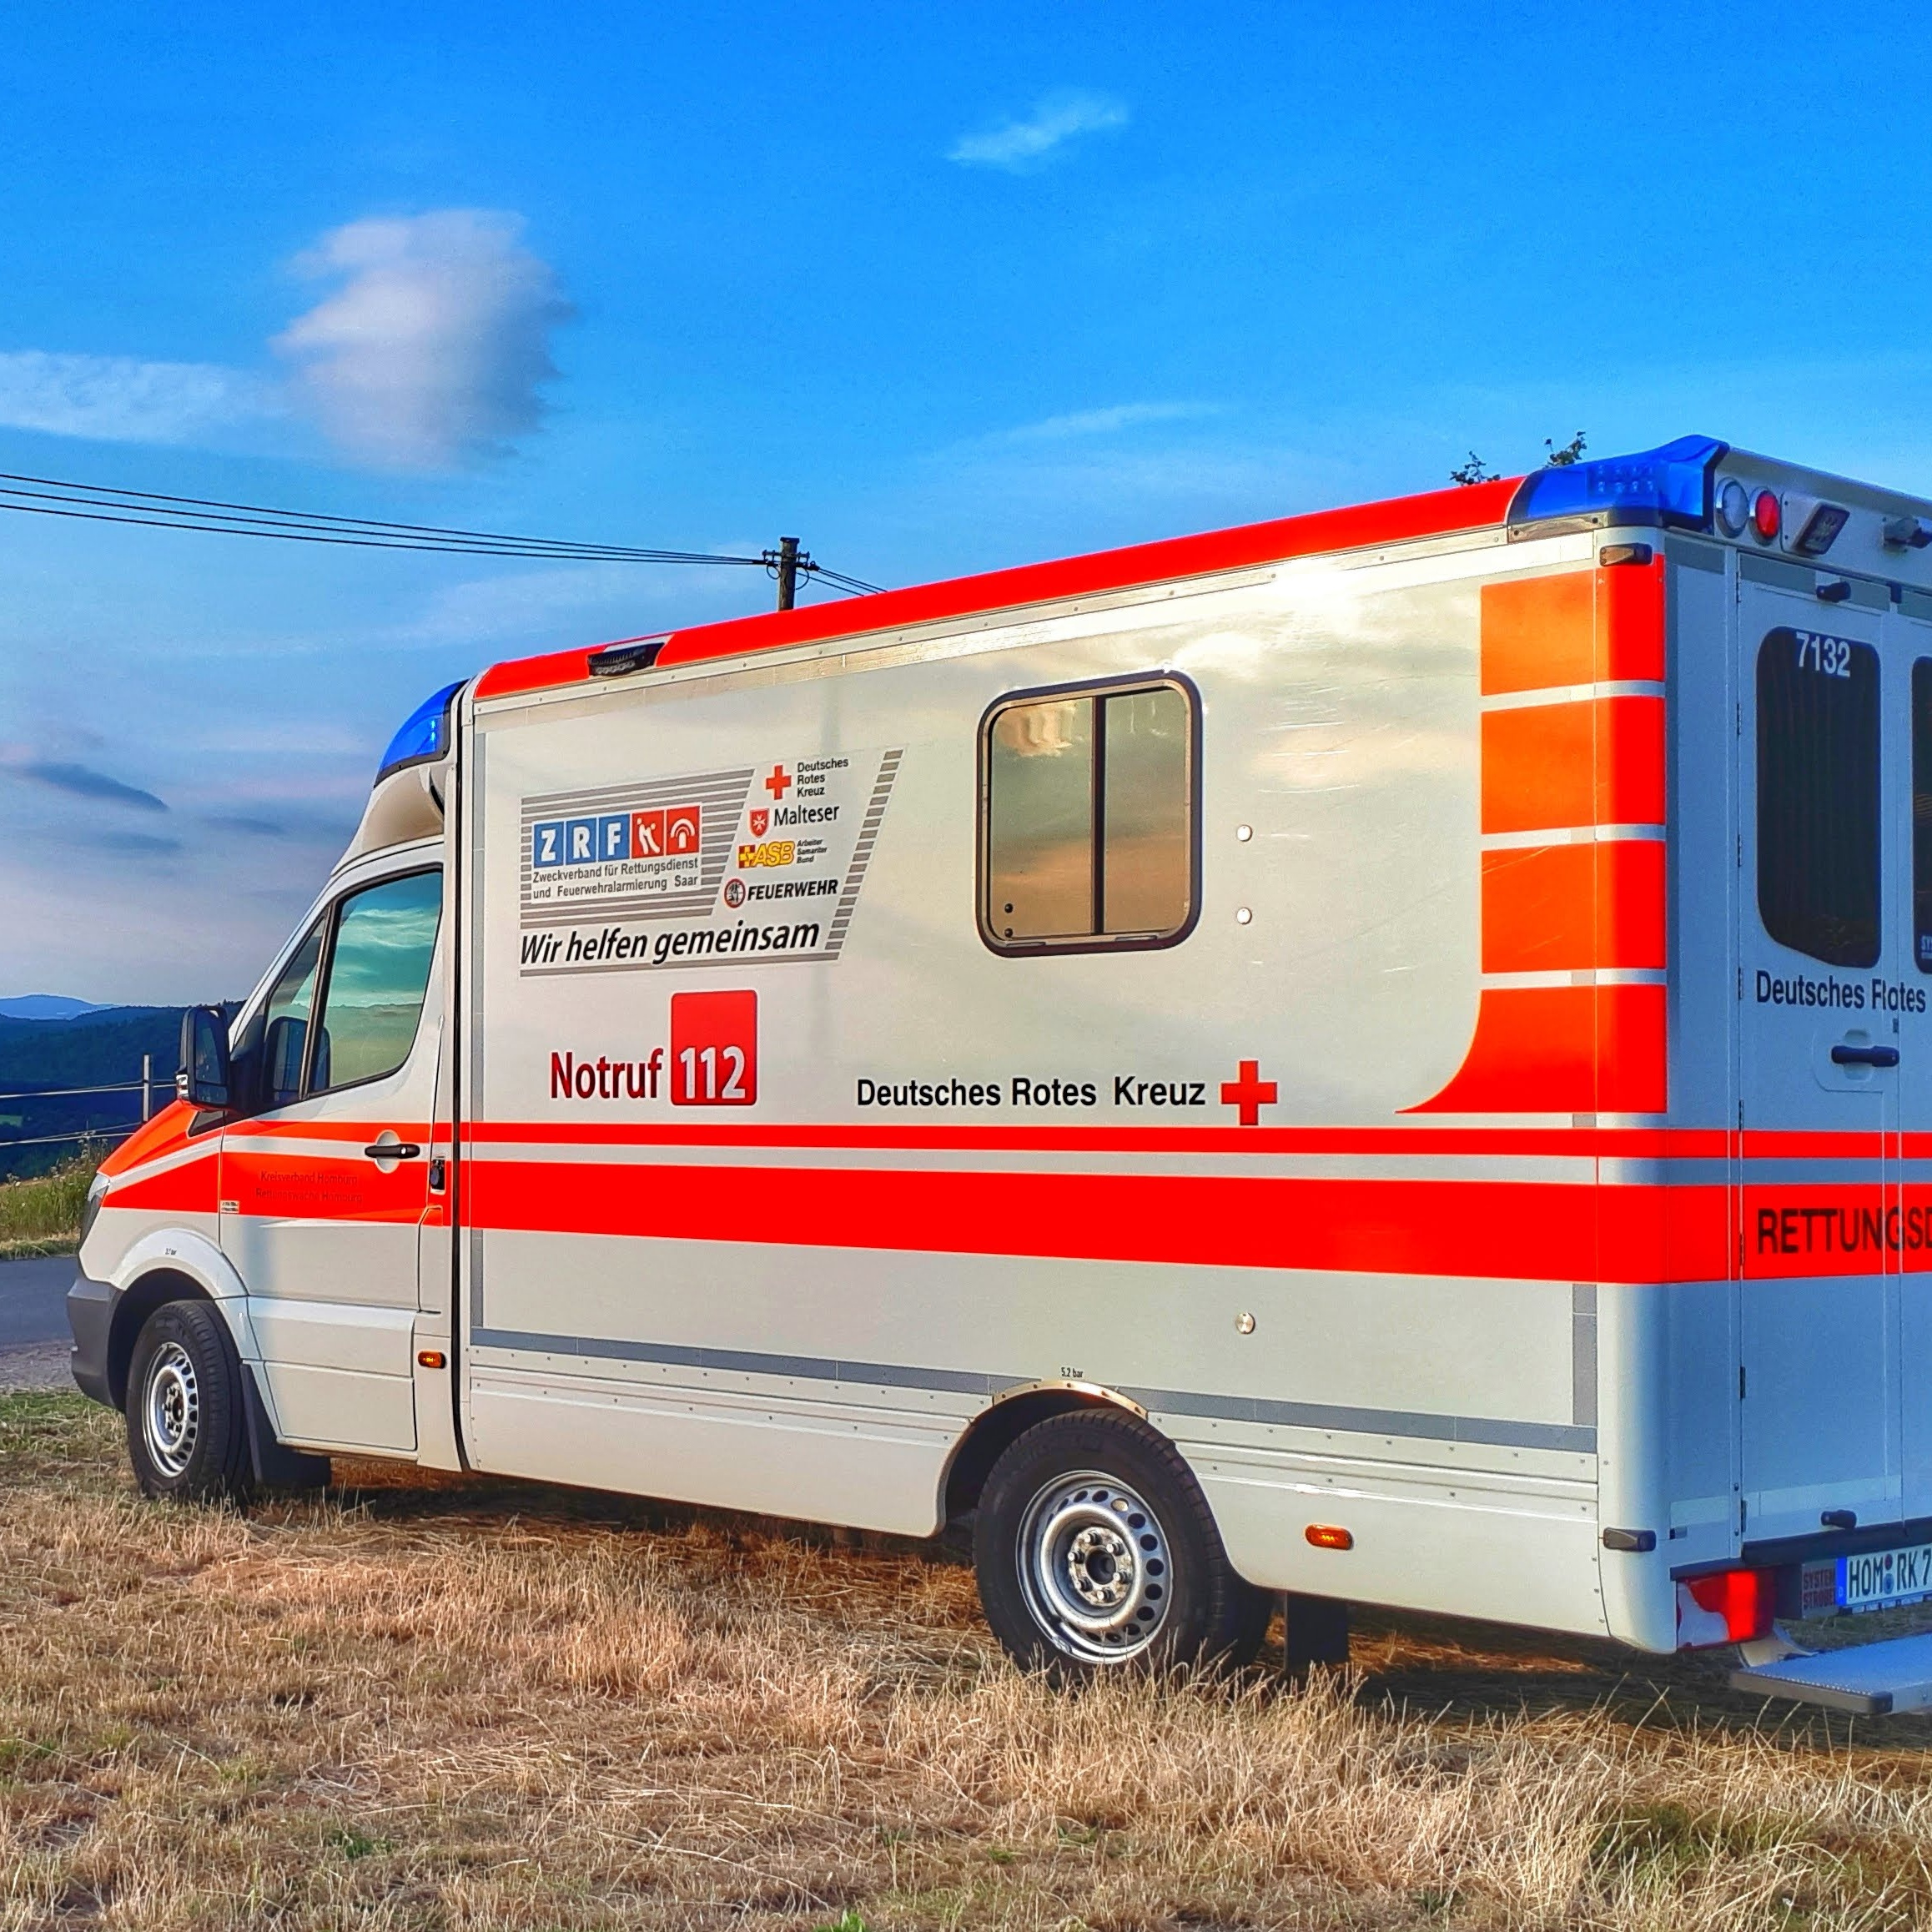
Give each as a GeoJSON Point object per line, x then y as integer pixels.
{"type": "Point", "coordinates": [1880, 1579]}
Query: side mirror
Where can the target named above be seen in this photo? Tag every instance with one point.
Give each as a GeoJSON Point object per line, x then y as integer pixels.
{"type": "Point", "coordinates": [205, 1079]}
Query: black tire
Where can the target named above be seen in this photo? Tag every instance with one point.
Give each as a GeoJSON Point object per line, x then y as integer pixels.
{"type": "Point", "coordinates": [1095, 1550]}
{"type": "Point", "coordinates": [187, 1428]}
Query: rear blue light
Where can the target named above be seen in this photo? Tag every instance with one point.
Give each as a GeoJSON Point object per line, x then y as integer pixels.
{"type": "Point", "coordinates": [1670, 485]}
{"type": "Point", "coordinates": [424, 733]}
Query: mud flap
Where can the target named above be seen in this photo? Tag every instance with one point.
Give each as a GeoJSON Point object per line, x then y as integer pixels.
{"type": "Point", "coordinates": [275, 1465]}
{"type": "Point", "coordinates": [1315, 1630]}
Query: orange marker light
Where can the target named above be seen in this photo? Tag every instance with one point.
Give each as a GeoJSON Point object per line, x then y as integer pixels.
{"type": "Point", "coordinates": [1330, 1536]}
{"type": "Point", "coordinates": [430, 1358]}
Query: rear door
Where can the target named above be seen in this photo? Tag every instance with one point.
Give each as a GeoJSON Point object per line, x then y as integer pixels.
{"type": "Point", "coordinates": [1819, 1086]}
{"type": "Point", "coordinates": [1908, 804]}
{"type": "Point", "coordinates": [323, 1189]}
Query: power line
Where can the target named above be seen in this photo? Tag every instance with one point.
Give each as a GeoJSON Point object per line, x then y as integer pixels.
{"type": "Point", "coordinates": [152, 510]}
{"type": "Point", "coordinates": [854, 586]}
{"type": "Point", "coordinates": [787, 564]}
{"type": "Point", "coordinates": [95, 503]}
{"type": "Point", "coordinates": [134, 498]}
{"type": "Point", "coordinates": [562, 553]}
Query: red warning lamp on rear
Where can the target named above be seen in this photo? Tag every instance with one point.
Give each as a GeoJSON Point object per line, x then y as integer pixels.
{"type": "Point", "coordinates": [1765, 515]}
{"type": "Point", "coordinates": [1727, 1607]}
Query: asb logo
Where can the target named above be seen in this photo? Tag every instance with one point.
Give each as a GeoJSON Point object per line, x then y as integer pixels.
{"type": "Point", "coordinates": [673, 831]}
{"type": "Point", "coordinates": [772, 852]}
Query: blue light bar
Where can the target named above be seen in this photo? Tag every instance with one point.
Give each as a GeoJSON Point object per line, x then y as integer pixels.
{"type": "Point", "coordinates": [1671, 485]}
{"type": "Point", "coordinates": [424, 733]}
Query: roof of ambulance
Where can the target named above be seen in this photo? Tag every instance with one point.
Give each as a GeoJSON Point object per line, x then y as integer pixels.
{"type": "Point", "coordinates": [1669, 486]}
{"type": "Point", "coordinates": [1438, 513]}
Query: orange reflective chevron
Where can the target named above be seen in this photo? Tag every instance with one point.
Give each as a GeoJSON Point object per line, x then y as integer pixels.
{"type": "Point", "coordinates": [1576, 627]}
{"type": "Point", "coordinates": [1562, 1049]}
{"type": "Point", "coordinates": [1564, 907]}
{"type": "Point", "coordinates": [1584, 762]}
{"type": "Point", "coordinates": [1589, 768]}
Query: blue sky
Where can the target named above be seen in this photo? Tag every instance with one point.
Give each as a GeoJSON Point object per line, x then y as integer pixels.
{"type": "Point", "coordinates": [938, 289]}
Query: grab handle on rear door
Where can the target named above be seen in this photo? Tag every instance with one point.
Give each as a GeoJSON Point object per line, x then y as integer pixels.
{"type": "Point", "coordinates": [1863, 1056]}
{"type": "Point", "coordinates": [408, 1149]}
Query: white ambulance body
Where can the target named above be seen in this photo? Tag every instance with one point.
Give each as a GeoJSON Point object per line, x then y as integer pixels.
{"type": "Point", "coordinates": [1383, 1056]}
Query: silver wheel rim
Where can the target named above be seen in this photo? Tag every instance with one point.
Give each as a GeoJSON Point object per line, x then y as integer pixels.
{"type": "Point", "coordinates": [1094, 1566]}
{"type": "Point", "coordinates": [171, 1409]}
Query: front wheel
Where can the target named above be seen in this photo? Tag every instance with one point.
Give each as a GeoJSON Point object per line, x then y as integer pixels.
{"type": "Point", "coordinates": [187, 1432]}
{"type": "Point", "coordinates": [1095, 1549]}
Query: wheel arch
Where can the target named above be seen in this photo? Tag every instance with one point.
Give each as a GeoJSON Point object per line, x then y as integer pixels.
{"type": "Point", "coordinates": [1003, 1421]}
{"type": "Point", "coordinates": [154, 1289]}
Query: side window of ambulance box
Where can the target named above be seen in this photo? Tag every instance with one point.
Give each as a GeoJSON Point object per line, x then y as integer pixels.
{"type": "Point", "coordinates": [1088, 817]}
{"type": "Point", "coordinates": [377, 972]}
{"type": "Point", "coordinates": [1818, 796]}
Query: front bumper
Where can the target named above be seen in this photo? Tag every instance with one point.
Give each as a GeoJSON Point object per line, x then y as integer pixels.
{"type": "Point", "coordinates": [90, 1314]}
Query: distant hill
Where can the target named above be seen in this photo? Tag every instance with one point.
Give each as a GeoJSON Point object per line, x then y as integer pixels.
{"type": "Point", "coordinates": [93, 1047]}
{"type": "Point", "coordinates": [47, 1006]}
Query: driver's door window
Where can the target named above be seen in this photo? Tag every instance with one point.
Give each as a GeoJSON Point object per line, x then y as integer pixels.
{"type": "Point", "coordinates": [285, 1018]}
{"type": "Point", "coordinates": [379, 969]}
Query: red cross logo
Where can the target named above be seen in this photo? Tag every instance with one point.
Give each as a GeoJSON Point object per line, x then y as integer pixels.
{"type": "Point", "coordinates": [1250, 1093]}
{"type": "Point", "coordinates": [779, 784]}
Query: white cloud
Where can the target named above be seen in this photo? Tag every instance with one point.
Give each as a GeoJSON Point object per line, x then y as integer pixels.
{"type": "Point", "coordinates": [435, 346]}
{"type": "Point", "coordinates": [483, 611]}
{"type": "Point", "coordinates": [119, 399]}
{"type": "Point", "coordinates": [1107, 422]}
{"type": "Point", "coordinates": [1021, 145]}
{"type": "Point", "coordinates": [432, 349]}
{"type": "Point", "coordinates": [540, 609]}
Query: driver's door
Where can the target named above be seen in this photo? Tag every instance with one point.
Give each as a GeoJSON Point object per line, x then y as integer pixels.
{"type": "Point", "coordinates": [324, 1183]}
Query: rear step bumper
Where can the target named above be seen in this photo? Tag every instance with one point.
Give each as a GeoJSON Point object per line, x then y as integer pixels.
{"type": "Point", "coordinates": [1869, 1680]}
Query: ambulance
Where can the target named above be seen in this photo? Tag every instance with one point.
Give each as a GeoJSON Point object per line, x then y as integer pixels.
{"type": "Point", "coordinates": [1376, 1058]}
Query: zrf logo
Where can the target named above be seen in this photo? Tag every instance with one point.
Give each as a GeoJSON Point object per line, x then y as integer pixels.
{"type": "Point", "coordinates": [647, 834]}
{"type": "Point", "coordinates": [676, 831]}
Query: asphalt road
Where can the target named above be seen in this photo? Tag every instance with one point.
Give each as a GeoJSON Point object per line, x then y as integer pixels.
{"type": "Point", "coordinates": [33, 1300]}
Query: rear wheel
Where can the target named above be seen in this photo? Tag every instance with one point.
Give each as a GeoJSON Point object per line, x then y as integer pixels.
{"type": "Point", "coordinates": [1095, 1550]}
{"type": "Point", "coordinates": [187, 1432]}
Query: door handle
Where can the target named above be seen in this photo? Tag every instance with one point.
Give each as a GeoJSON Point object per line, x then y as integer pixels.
{"type": "Point", "coordinates": [408, 1149]}
{"type": "Point", "coordinates": [1863, 1056]}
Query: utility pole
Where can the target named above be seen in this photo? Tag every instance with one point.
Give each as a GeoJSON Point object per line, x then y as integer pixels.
{"type": "Point", "coordinates": [787, 572]}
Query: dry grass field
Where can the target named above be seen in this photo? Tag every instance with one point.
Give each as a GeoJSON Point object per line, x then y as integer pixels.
{"type": "Point", "coordinates": [428, 1702]}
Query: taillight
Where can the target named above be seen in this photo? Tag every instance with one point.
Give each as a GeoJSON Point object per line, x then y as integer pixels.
{"type": "Point", "coordinates": [1767, 514]}
{"type": "Point", "coordinates": [1732, 507]}
{"type": "Point", "coordinates": [1727, 1607]}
